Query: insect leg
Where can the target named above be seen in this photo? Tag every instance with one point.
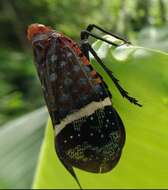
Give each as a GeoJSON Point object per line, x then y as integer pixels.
{"type": "Point", "coordinates": [90, 27]}
{"type": "Point", "coordinates": [123, 92]}
{"type": "Point", "coordinates": [85, 35]}
{"type": "Point", "coordinates": [84, 39]}
{"type": "Point", "coordinates": [88, 32]}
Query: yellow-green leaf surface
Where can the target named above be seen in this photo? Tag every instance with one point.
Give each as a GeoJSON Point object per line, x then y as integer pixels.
{"type": "Point", "coordinates": [143, 164]}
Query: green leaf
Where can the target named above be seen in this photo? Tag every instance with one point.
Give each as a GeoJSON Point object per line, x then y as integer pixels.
{"type": "Point", "coordinates": [20, 141]}
{"type": "Point", "coordinates": [143, 164]}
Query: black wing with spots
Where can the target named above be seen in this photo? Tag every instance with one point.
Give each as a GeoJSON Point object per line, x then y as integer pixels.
{"type": "Point", "coordinates": [93, 143]}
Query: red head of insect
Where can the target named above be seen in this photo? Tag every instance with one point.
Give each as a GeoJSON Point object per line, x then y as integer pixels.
{"type": "Point", "coordinates": [35, 29]}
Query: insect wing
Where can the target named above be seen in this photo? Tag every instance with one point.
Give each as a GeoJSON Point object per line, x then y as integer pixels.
{"type": "Point", "coordinates": [93, 141]}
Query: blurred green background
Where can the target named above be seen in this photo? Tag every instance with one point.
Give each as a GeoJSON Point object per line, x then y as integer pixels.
{"type": "Point", "coordinates": [22, 116]}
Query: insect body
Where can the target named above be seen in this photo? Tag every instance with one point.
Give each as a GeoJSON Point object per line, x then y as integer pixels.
{"type": "Point", "coordinates": [89, 133]}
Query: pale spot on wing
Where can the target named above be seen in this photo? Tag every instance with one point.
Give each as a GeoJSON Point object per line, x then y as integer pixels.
{"type": "Point", "coordinates": [63, 63]}
{"type": "Point", "coordinates": [69, 54]}
{"type": "Point", "coordinates": [53, 77]}
{"type": "Point", "coordinates": [54, 58]}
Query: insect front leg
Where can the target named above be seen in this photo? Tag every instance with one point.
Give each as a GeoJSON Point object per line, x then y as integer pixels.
{"type": "Point", "coordinates": [90, 27]}
{"type": "Point", "coordinates": [86, 33]}
{"type": "Point", "coordinates": [84, 40]}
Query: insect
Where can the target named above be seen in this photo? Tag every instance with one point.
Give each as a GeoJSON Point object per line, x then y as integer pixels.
{"type": "Point", "coordinates": [89, 133]}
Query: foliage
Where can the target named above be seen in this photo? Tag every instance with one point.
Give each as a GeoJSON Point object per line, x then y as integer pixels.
{"type": "Point", "coordinates": [154, 38]}
{"type": "Point", "coordinates": [121, 16]}
{"type": "Point", "coordinates": [20, 90]}
{"type": "Point", "coordinates": [143, 72]}
{"type": "Point", "coordinates": [20, 142]}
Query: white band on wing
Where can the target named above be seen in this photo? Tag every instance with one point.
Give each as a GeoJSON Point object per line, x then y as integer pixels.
{"type": "Point", "coordinates": [85, 111]}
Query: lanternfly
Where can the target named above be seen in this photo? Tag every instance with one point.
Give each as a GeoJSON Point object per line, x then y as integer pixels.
{"type": "Point", "coordinates": [89, 133]}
